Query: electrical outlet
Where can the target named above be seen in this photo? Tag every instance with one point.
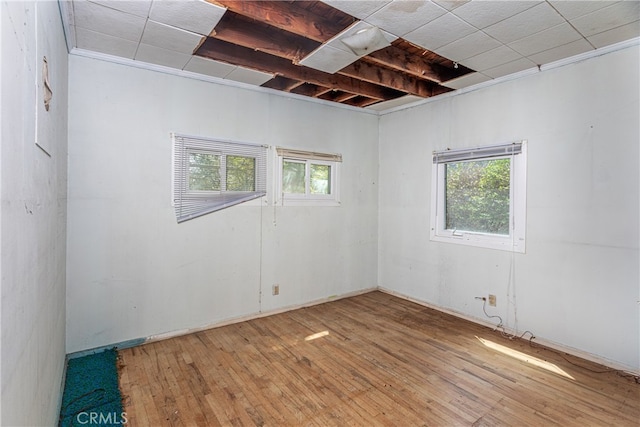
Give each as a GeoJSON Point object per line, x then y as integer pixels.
{"type": "Point", "coordinates": [492, 300]}
{"type": "Point", "coordinates": [275, 290]}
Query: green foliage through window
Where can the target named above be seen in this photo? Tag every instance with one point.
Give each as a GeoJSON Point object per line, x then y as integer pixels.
{"type": "Point", "coordinates": [241, 173]}
{"type": "Point", "coordinates": [320, 179]}
{"type": "Point", "coordinates": [477, 196]}
{"type": "Point", "coordinates": [204, 172]}
{"type": "Point", "coordinates": [293, 174]}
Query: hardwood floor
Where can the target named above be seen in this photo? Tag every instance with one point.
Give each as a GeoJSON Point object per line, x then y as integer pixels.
{"type": "Point", "coordinates": [369, 360]}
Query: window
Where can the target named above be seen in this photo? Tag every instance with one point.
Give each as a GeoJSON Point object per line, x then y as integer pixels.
{"type": "Point", "coordinates": [307, 178]}
{"type": "Point", "coordinates": [479, 196]}
{"type": "Point", "coordinates": [209, 175]}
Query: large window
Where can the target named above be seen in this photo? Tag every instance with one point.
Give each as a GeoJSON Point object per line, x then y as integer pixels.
{"type": "Point", "coordinates": [209, 175]}
{"type": "Point", "coordinates": [479, 196]}
{"type": "Point", "coordinates": [307, 178]}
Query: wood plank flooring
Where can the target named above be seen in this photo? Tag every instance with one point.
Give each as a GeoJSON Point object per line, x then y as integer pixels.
{"type": "Point", "coordinates": [369, 360]}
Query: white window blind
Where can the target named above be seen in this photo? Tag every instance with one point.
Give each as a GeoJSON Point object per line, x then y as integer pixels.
{"type": "Point", "coordinates": [307, 155]}
{"type": "Point", "coordinates": [447, 156]}
{"type": "Point", "coordinates": [212, 174]}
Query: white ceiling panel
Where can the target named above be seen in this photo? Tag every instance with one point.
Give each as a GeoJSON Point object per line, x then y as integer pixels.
{"type": "Point", "coordinates": [402, 17]}
{"type": "Point", "coordinates": [466, 80]}
{"type": "Point", "coordinates": [439, 32]}
{"type": "Point", "coordinates": [482, 14]}
{"type": "Point", "coordinates": [509, 68]}
{"type": "Point", "coordinates": [103, 43]}
{"type": "Point", "coordinates": [615, 35]}
{"type": "Point", "coordinates": [329, 59]}
{"type": "Point", "coordinates": [197, 16]}
{"type": "Point", "coordinates": [570, 49]}
{"type": "Point", "coordinates": [360, 9]}
{"type": "Point", "coordinates": [245, 75]}
{"type": "Point", "coordinates": [468, 46]}
{"type": "Point", "coordinates": [168, 37]}
{"type": "Point", "coordinates": [607, 18]}
{"type": "Point", "coordinates": [524, 24]}
{"type": "Point", "coordinates": [573, 9]}
{"type": "Point", "coordinates": [451, 4]}
{"type": "Point", "coordinates": [134, 7]}
{"type": "Point", "coordinates": [101, 19]}
{"type": "Point", "coordinates": [491, 59]}
{"type": "Point", "coordinates": [545, 40]}
{"type": "Point", "coordinates": [200, 65]}
{"type": "Point", "coordinates": [160, 56]}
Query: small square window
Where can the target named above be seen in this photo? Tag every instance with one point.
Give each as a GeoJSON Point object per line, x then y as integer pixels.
{"type": "Point", "coordinates": [306, 178]}
{"type": "Point", "coordinates": [241, 173]}
{"type": "Point", "coordinates": [479, 197]}
{"type": "Point", "coordinates": [204, 171]}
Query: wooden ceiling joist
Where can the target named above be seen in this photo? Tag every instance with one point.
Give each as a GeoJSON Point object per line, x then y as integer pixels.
{"type": "Point", "coordinates": [238, 55]}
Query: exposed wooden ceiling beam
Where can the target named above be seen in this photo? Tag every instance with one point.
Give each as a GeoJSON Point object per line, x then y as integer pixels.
{"type": "Point", "coordinates": [242, 31]}
{"type": "Point", "coordinates": [220, 50]}
{"type": "Point", "coordinates": [287, 16]}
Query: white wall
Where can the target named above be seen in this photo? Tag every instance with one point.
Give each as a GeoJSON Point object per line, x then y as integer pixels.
{"type": "Point", "coordinates": [33, 214]}
{"type": "Point", "coordinates": [578, 282]}
{"type": "Point", "coordinates": [133, 272]}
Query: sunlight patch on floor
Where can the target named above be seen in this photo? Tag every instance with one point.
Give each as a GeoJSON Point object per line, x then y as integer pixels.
{"type": "Point", "coordinates": [316, 336]}
{"type": "Point", "coordinates": [525, 357]}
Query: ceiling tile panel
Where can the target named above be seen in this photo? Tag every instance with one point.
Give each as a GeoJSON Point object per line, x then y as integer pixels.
{"type": "Point", "coordinates": [360, 9]}
{"type": "Point", "coordinates": [440, 32]}
{"type": "Point", "coordinates": [570, 49]}
{"type": "Point", "coordinates": [160, 56]}
{"type": "Point", "coordinates": [467, 80]}
{"type": "Point", "coordinates": [101, 19]}
{"type": "Point", "coordinates": [545, 40]}
{"type": "Point", "coordinates": [573, 9]}
{"type": "Point", "coordinates": [482, 14]}
{"type": "Point", "coordinates": [616, 35]}
{"type": "Point", "coordinates": [245, 75]}
{"type": "Point", "coordinates": [468, 46]}
{"type": "Point", "coordinates": [524, 24]}
{"type": "Point", "coordinates": [134, 7]}
{"type": "Point", "coordinates": [451, 4]}
{"type": "Point", "coordinates": [104, 43]}
{"type": "Point", "coordinates": [491, 59]}
{"type": "Point", "coordinates": [209, 67]}
{"type": "Point", "coordinates": [197, 16]}
{"type": "Point", "coordinates": [509, 68]}
{"type": "Point", "coordinates": [328, 59]}
{"type": "Point", "coordinates": [607, 18]}
{"type": "Point", "coordinates": [171, 38]}
{"type": "Point", "coordinates": [402, 17]}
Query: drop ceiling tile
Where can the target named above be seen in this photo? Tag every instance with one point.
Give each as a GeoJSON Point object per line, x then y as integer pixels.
{"type": "Point", "coordinates": [616, 35]}
{"type": "Point", "coordinates": [545, 40]}
{"type": "Point", "coordinates": [573, 9]}
{"type": "Point", "coordinates": [101, 19]}
{"type": "Point", "coordinates": [336, 41]}
{"type": "Point", "coordinates": [439, 32]}
{"type": "Point", "coordinates": [403, 100]}
{"type": "Point", "coordinates": [245, 75]}
{"type": "Point", "coordinates": [197, 16]}
{"type": "Point", "coordinates": [491, 59]}
{"type": "Point", "coordinates": [209, 67]}
{"type": "Point", "coordinates": [466, 80]}
{"type": "Point", "coordinates": [328, 59]}
{"type": "Point", "coordinates": [134, 7]}
{"type": "Point", "coordinates": [466, 47]}
{"type": "Point", "coordinates": [360, 9]}
{"type": "Point", "coordinates": [104, 43]}
{"type": "Point", "coordinates": [482, 14]}
{"type": "Point", "coordinates": [607, 18]}
{"type": "Point", "coordinates": [171, 38]}
{"type": "Point", "coordinates": [160, 56]}
{"type": "Point", "coordinates": [402, 17]}
{"type": "Point", "coordinates": [524, 24]}
{"type": "Point", "coordinates": [565, 51]}
{"type": "Point", "coordinates": [451, 4]}
{"type": "Point", "coordinates": [510, 68]}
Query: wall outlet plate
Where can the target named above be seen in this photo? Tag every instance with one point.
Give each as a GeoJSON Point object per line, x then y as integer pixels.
{"type": "Point", "coordinates": [492, 300]}
{"type": "Point", "coordinates": [275, 290]}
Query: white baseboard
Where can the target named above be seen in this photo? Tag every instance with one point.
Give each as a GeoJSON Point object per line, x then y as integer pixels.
{"type": "Point", "coordinates": [544, 342]}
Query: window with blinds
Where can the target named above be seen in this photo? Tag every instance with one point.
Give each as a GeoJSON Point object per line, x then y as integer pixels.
{"type": "Point", "coordinates": [307, 178]}
{"type": "Point", "coordinates": [479, 196]}
{"type": "Point", "coordinates": [212, 174]}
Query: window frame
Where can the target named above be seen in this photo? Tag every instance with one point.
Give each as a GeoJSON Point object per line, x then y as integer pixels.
{"type": "Point", "coordinates": [516, 239]}
{"type": "Point", "coordinates": [308, 198]}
